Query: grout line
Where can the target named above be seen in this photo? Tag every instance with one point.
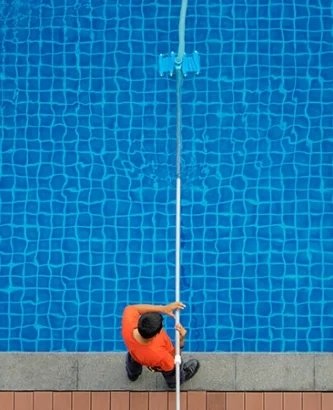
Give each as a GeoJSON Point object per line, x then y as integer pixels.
{"type": "Point", "coordinates": [314, 372]}
{"type": "Point", "coordinates": [77, 373]}
{"type": "Point", "coordinates": [235, 373]}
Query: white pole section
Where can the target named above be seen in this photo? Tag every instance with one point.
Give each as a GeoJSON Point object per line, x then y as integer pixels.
{"type": "Point", "coordinates": [178, 356]}
{"type": "Point", "coordinates": [181, 30]}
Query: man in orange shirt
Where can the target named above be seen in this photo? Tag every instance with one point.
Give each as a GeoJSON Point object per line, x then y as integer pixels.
{"type": "Point", "coordinates": [149, 345]}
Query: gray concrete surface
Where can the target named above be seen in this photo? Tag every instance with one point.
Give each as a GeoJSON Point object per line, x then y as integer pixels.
{"type": "Point", "coordinates": [38, 371]}
{"type": "Point", "coordinates": [225, 372]}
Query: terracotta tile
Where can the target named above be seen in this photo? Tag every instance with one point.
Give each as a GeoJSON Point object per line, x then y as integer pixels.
{"type": "Point", "coordinates": [172, 400]}
{"type": "Point", "coordinates": [120, 400]}
{"type": "Point", "coordinates": [158, 401]}
{"type": "Point", "coordinates": [81, 400]}
{"type": "Point", "coordinates": [216, 401]}
{"type": "Point", "coordinates": [6, 400]}
{"type": "Point", "coordinates": [196, 400]}
{"type": "Point", "coordinates": [62, 401]}
{"type": "Point", "coordinates": [311, 401]}
{"type": "Point", "coordinates": [139, 400]}
{"type": "Point", "coordinates": [292, 401]}
{"type": "Point", "coordinates": [273, 401]}
{"type": "Point", "coordinates": [326, 401]}
{"type": "Point", "coordinates": [254, 401]}
{"type": "Point", "coordinates": [235, 401]}
{"type": "Point", "coordinates": [100, 400]}
{"type": "Point", "coordinates": [43, 400]}
{"type": "Point", "coordinates": [24, 401]}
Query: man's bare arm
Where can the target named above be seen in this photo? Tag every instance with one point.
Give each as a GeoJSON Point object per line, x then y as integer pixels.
{"type": "Point", "coordinates": [164, 309]}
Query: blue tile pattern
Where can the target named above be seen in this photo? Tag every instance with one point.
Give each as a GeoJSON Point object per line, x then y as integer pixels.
{"type": "Point", "coordinates": [88, 172]}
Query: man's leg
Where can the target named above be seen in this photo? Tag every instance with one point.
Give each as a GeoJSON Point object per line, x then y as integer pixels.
{"type": "Point", "coordinates": [170, 377]}
{"type": "Point", "coordinates": [133, 368]}
{"type": "Point", "coordinates": [187, 371]}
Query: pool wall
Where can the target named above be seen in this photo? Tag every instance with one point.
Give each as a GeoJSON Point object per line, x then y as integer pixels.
{"type": "Point", "coordinates": [218, 372]}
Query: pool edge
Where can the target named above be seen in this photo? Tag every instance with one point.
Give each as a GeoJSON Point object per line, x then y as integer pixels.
{"type": "Point", "coordinates": [218, 372]}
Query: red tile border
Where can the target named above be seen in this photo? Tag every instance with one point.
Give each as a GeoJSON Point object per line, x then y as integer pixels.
{"type": "Point", "coordinates": [191, 400]}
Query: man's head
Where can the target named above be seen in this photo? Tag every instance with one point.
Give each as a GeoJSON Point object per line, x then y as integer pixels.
{"type": "Point", "coordinates": [150, 324]}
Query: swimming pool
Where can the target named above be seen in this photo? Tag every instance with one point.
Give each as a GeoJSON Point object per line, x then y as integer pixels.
{"type": "Point", "coordinates": [88, 173]}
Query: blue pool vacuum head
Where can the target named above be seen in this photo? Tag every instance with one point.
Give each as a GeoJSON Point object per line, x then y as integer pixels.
{"type": "Point", "coordinates": [189, 64]}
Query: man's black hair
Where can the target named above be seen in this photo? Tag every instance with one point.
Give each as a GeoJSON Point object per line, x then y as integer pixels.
{"type": "Point", "coordinates": [150, 324]}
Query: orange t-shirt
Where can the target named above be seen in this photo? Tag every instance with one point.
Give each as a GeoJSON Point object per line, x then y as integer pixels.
{"type": "Point", "coordinates": [159, 353]}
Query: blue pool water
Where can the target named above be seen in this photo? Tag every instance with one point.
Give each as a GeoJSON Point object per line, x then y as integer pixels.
{"type": "Point", "coordinates": [88, 173]}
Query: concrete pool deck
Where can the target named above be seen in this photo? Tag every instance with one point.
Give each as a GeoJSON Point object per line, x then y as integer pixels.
{"type": "Point", "coordinates": [218, 372]}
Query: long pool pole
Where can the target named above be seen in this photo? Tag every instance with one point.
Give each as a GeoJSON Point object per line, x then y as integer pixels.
{"type": "Point", "coordinates": [178, 225]}
{"type": "Point", "coordinates": [179, 82]}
